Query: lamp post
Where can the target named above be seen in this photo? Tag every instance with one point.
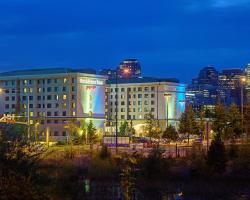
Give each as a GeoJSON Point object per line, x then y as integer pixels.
{"type": "Point", "coordinates": [116, 111]}
{"type": "Point", "coordinates": [167, 95]}
{"type": "Point", "coordinates": [126, 72]}
{"type": "Point", "coordinates": [242, 83]}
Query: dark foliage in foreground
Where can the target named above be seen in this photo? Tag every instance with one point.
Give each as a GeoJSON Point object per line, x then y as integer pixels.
{"type": "Point", "coordinates": [18, 167]}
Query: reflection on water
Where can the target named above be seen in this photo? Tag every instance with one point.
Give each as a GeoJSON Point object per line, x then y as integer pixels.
{"type": "Point", "coordinates": [114, 191]}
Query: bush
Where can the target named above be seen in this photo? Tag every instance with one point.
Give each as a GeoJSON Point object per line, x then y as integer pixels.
{"type": "Point", "coordinates": [105, 152]}
{"type": "Point", "coordinates": [216, 157]}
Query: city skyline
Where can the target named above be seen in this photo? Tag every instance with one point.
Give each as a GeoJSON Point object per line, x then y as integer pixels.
{"type": "Point", "coordinates": [164, 36]}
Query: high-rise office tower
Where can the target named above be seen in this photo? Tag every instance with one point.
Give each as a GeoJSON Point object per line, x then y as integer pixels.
{"type": "Point", "coordinates": [129, 68]}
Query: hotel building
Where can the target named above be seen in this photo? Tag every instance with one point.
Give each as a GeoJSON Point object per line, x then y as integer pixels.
{"type": "Point", "coordinates": [49, 98]}
{"type": "Point", "coordinates": [136, 97]}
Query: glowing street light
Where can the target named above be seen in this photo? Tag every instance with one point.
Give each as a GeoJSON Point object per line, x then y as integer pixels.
{"type": "Point", "coordinates": [167, 95]}
{"type": "Point", "coordinates": [125, 71]}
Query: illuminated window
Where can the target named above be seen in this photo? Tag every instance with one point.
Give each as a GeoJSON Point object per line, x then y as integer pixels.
{"type": "Point", "coordinates": [64, 105]}
{"type": "Point", "coordinates": [56, 97]}
{"type": "Point", "coordinates": [24, 82]}
{"type": "Point", "coordinates": [24, 106]}
{"type": "Point", "coordinates": [64, 97]}
{"type": "Point", "coordinates": [73, 105]}
{"type": "Point", "coordinates": [65, 80]}
{"type": "Point", "coordinates": [31, 121]}
{"type": "Point", "coordinates": [74, 113]}
{"type": "Point", "coordinates": [31, 90]}
{"type": "Point", "coordinates": [39, 90]}
{"type": "Point", "coordinates": [31, 114]}
{"type": "Point", "coordinates": [25, 90]}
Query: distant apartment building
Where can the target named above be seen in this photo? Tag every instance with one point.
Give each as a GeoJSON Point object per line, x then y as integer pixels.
{"type": "Point", "coordinates": [137, 97]}
{"type": "Point", "coordinates": [203, 89]}
{"type": "Point", "coordinates": [127, 69]}
{"type": "Point", "coordinates": [131, 66]}
{"type": "Point", "coordinates": [50, 98]}
{"type": "Point", "coordinates": [212, 87]}
{"type": "Point", "coordinates": [230, 86]}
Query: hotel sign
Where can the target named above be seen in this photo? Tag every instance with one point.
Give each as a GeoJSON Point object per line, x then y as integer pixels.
{"type": "Point", "coordinates": [88, 81]}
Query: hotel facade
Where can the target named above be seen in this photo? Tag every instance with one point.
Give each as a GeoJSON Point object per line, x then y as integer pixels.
{"type": "Point", "coordinates": [139, 96]}
{"type": "Point", "coordinates": [50, 98]}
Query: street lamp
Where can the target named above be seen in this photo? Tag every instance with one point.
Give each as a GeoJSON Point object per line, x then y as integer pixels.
{"type": "Point", "coordinates": [125, 71]}
{"type": "Point", "coordinates": [242, 83]}
{"type": "Point", "coordinates": [167, 95]}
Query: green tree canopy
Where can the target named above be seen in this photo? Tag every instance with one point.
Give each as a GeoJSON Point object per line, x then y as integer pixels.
{"type": "Point", "coordinates": [152, 128]}
{"type": "Point", "coordinates": [170, 133]}
{"type": "Point", "coordinates": [234, 125]}
{"type": "Point", "coordinates": [247, 119]}
{"type": "Point", "coordinates": [188, 124]}
{"type": "Point", "coordinates": [220, 120]}
{"type": "Point", "coordinates": [91, 131]}
{"type": "Point", "coordinates": [124, 128]}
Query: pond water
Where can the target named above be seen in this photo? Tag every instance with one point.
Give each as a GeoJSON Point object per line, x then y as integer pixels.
{"type": "Point", "coordinates": [115, 191]}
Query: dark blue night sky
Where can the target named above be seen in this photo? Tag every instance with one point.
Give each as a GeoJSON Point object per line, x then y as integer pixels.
{"type": "Point", "coordinates": [171, 38]}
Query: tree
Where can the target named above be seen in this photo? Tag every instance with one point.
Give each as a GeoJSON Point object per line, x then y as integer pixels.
{"type": "Point", "coordinates": [19, 166]}
{"type": "Point", "coordinates": [216, 157]}
{"type": "Point", "coordinates": [201, 124]}
{"type": "Point", "coordinates": [234, 126]}
{"type": "Point", "coordinates": [72, 134]}
{"type": "Point", "coordinates": [220, 120]}
{"type": "Point", "coordinates": [124, 128]}
{"type": "Point", "coordinates": [92, 136]}
{"type": "Point", "coordinates": [246, 123]}
{"type": "Point", "coordinates": [83, 131]}
{"type": "Point", "coordinates": [170, 133]}
{"type": "Point", "coordinates": [152, 128]}
{"type": "Point", "coordinates": [188, 124]}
